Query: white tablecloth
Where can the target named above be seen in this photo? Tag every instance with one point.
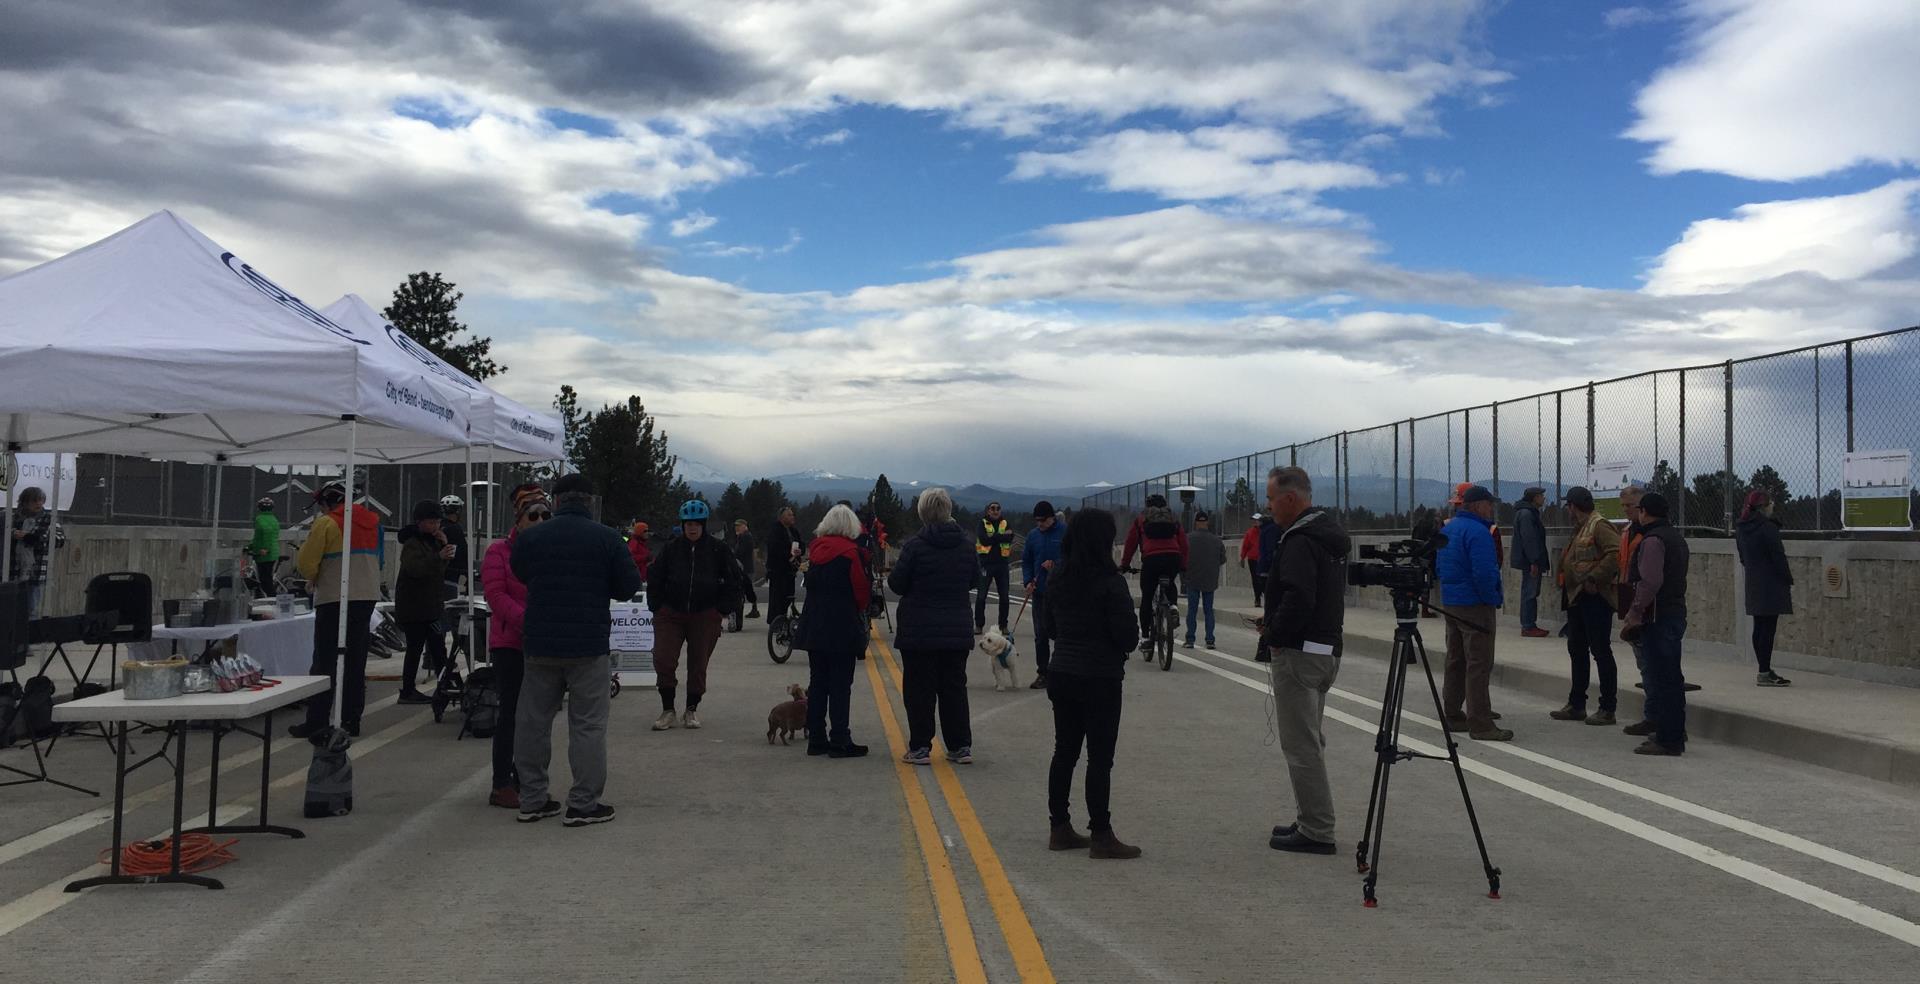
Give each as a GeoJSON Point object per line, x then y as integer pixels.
{"type": "Point", "coordinates": [282, 646]}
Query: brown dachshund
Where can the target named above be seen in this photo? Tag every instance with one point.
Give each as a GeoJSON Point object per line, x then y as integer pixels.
{"type": "Point", "coordinates": [788, 717]}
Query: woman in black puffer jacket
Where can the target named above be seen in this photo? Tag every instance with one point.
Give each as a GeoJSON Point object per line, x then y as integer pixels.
{"type": "Point", "coordinates": [833, 631]}
{"type": "Point", "coordinates": [1091, 620]}
{"type": "Point", "coordinates": [934, 579]}
{"type": "Point", "coordinates": [690, 585]}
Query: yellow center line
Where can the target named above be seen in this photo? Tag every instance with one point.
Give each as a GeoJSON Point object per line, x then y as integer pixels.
{"type": "Point", "coordinates": [1028, 956]}
{"type": "Point", "coordinates": [962, 949]}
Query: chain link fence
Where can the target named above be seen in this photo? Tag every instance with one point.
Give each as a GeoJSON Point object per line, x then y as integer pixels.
{"type": "Point", "coordinates": [1703, 436]}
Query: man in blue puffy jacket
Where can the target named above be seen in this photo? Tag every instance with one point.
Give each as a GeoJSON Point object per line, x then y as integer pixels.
{"type": "Point", "coordinates": [1471, 594]}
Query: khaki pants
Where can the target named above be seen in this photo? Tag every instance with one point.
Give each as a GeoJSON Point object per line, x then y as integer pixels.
{"type": "Point", "coordinates": [1469, 665]}
{"type": "Point", "coordinates": [1300, 685]}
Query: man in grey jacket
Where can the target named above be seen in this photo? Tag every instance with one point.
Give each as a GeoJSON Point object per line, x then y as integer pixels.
{"type": "Point", "coordinates": [1206, 555]}
{"type": "Point", "coordinates": [1530, 558]}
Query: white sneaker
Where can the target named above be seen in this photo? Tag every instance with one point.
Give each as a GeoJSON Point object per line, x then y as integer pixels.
{"type": "Point", "coordinates": [664, 722]}
{"type": "Point", "coordinates": [690, 720]}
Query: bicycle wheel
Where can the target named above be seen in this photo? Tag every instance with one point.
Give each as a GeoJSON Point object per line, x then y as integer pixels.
{"type": "Point", "coordinates": [780, 639]}
{"type": "Point", "coordinates": [1166, 638]}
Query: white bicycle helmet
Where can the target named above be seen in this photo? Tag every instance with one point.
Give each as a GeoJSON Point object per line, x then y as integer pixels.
{"type": "Point", "coordinates": [450, 502]}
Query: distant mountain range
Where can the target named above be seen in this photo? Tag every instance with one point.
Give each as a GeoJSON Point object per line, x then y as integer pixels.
{"type": "Point", "coordinates": [804, 485]}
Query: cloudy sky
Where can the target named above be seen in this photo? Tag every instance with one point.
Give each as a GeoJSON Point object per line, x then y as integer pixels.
{"type": "Point", "coordinates": [1017, 242]}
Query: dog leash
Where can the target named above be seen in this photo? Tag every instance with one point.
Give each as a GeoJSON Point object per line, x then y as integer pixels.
{"type": "Point", "coordinates": [1023, 611]}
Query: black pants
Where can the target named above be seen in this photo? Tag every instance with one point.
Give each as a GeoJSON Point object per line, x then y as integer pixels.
{"type": "Point", "coordinates": [753, 598]}
{"type": "Point", "coordinates": [994, 575]}
{"type": "Point", "coordinates": [1042, 624]}
{"type": "Point", "coordinates": [263, 573]}
{"type": "Point", "coordinates": [779, 593]}
{"type": "Point", "coordinates": [509, 665]}
{"type": "Point", "coordinates": [427, 636]}
{"type": "Point", "coordinates": [829, 696]}
{"type": "Point", "coordinates": [1590, 642]}
{"type": "Point", "coordinates": [1153, 570]}
{"type": "Point", "coordinates": [1086, 710]}
{"type": "Point", "coordinates": [1764, 628]}
{"type": "Point", "coordinates": [1666, 684]}
{"type": "Point", "coordinates": [1259, 585]}
{"type": "Point", "coordinates": [930, 678]}
{"type": "Point", "coordinates": [326, 648]}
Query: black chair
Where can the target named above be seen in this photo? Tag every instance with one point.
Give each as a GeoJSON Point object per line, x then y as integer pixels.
{"type": "Point", "coordinates": [127, 597]}
{"type": "Point", "coordinates": [15, 647]}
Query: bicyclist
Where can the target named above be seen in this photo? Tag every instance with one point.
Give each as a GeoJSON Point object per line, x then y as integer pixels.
{"type": "Point", "coordinates": [264, 549]}
{"type": "Point", "coordinates": [1162, 544]}
{"type": "Point", "coordinates": [693, 584]}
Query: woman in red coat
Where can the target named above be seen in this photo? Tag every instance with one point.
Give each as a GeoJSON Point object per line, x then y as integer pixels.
{"type": "Point", "coordinates": [507, 600]}
{"type": "Point", "coordinates": [637, 545]}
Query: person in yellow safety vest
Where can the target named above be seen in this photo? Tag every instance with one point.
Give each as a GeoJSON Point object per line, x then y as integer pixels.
{"type": "Point", "coordinates": [993, 542]}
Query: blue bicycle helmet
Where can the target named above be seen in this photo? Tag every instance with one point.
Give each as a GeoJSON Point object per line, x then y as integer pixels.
{"type": "Point", "coordinates": [694, 511]}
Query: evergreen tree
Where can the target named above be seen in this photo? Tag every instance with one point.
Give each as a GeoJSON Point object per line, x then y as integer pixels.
{"type": "Point", "coordinates": [629, 464]}
{"type": "Point", "coordinates": [764, 499]}
{"type": "Point", "coordinates": [1765, 479]}
{"type": "Point", "coordinates": [1241, 502]}
{"type": "Point", "coordinates": [807, 517]}
{"type": "Point", "coordinates": [424, 309]}
{"type": "Point", "coordinates": [733, 505]}
{"type": "Point", "coordinates": [886, 504]}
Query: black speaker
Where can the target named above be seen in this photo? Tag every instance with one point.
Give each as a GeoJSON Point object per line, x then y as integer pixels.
{"type": "Point", "coordinates": [13, 625]}
{"type": "Point", "coordinates": [128, 597]}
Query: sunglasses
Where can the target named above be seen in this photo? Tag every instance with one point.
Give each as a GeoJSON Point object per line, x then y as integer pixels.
{"type": "Point", "coordinates": [537, 515]}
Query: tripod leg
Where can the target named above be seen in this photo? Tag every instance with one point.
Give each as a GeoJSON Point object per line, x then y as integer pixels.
{"type": "Point", "coordinates": [1460, 775]}
{"type": "Point", "coordinates": [1386, 746]}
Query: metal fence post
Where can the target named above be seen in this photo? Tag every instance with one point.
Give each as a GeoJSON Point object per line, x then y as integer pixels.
{"type": "Point", "coordinates": [1466, 445]}
{"type": "Point", "coordinates": [1682, 507]}
{"type": "Point", "coordinates": [1413, 468]}
{"type": "Point", "coordinates": [1850, 446]}
{"type": "Point", "coordinates": [1590, 427]}
{"type": "Point", "coordinates": [1496, 449]}
{"type": "Point", "coordinates": [1559, 452]}
{"type": "Point", "coordinates": [1728, 482]}
{"type": "Point", "coordinates": [1293, 454]}
{"type": "Point", "coordinates": [1819, 486]}
{"type": "Point", "coordinates": [1344, 460]}
{"type": "Point", "coordinates": [1396, 471]}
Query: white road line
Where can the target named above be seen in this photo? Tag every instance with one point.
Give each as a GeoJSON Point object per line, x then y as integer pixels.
{"type": "Point", "coordinates": [53, 895]}
{"type": "Point", "coordinates": [20, 847]}
{"type": "Point", "coordinates": [1779, 838]}
{"type": "Point", "coordinates": [1846, 908]}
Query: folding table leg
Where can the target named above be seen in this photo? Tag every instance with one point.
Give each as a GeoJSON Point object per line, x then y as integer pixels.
{"type": "Point", "coordinates": [174, 875]}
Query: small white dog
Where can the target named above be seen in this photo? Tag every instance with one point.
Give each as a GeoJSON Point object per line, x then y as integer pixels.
{"type": "Point", "coordinates": [1002, 656]}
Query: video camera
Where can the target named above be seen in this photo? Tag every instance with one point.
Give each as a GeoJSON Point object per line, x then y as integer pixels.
{"type": "Point", "coordinates": [1400, 566]}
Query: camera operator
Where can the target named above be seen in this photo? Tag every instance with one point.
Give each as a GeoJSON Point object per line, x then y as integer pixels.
{"type": "Point", "coordinates": [1305, 614]}
{"type": "Point", "coordinates": [1471, 592]}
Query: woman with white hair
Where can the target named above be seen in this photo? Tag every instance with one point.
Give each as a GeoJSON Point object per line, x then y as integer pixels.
{"type": "Point", "coordinates": [934, 579]}
{"type": "Point", "coordinates": [833, 631]}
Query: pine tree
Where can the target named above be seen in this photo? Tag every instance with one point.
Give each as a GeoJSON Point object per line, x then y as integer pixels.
{"type": "Point", "coordinates": [733, 505]}
{"type": "Point", "coordinates": [885, 504]}
{"type": "Point", "coordinates": [424, 308]}
{"type": "Point", "coordinates": [764, 500]}
{"type": "Point", "coordinates": [629, 464]}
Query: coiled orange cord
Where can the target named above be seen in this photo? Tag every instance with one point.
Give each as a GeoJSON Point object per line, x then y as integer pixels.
{"type": "Point", "coordinates": [198, 852]}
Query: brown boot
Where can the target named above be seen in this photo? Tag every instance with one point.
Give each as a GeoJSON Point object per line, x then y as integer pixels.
{"type": "Point", "coordinates": [1108, 847]}
{"type": "Point", "coordinates": [1569, 713]}
{"type": "Point", "coordinates": [1065, 838]}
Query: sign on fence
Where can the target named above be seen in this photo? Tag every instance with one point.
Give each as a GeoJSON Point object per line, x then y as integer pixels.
{"type": "Point", "coordinates": [1605, 480]}
{"type": "Point", "coordinates": [1876, 491]}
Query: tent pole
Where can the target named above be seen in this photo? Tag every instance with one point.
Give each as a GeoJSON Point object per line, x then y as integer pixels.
{"type": "Point", "coordinates": [16, 425]}
{"type": "Point", "coordinates": [346, 562]}
{"type": "Point", "coordinates": [213, 511]}
{"type": "Point", "coordinates": [53, 530]}
{"type": "Point", "coordinates": [471, 538]}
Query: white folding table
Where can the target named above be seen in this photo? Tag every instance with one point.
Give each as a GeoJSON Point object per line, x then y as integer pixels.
{"type": "Point", "coordinates": [279, 645]}
{"type": "Point", "coordinates": [176, 712]}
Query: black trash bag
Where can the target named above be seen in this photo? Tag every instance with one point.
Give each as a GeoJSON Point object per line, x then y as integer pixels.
{"type": "Point", "coordinates": [330, 777]}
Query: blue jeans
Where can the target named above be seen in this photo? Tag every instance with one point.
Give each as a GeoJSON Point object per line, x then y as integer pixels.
{"type": "Point", "coordinates": [1666, 685]}
{"type": "Point", "coordinates": [1195, 601]}
{"type": "Point", "coordinates": [1530, 600]}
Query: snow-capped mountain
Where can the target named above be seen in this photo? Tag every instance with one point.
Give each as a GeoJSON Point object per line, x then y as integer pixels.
{"type": "Point", "coordinates": [698, 472]}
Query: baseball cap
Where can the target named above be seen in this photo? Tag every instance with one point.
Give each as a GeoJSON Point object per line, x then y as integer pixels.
{"type": "Point", "coordinates": [1580, 497]}
{"type": "Point", "coordinates": [1201, 516]}
{"type": "Point", "coordinates": [1476, 493]}
{"type": "Point", "coordinates": [1531, 491]}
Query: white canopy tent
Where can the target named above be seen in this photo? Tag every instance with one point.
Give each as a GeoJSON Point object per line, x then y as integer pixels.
{"type": "Point", "coordinates": [157, 342]}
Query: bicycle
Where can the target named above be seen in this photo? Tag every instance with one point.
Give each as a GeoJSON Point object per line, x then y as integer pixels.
{"type": "Point", "coordinates": [1165, 621]}
{"type": "Point", "coordinates": [780, 631]}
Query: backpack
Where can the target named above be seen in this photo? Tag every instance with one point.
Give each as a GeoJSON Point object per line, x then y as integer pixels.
{"type": "Point", "coordinates": [33, 718]}
{"type": "Point", "coordinates": [481, 703]}
{"type": "Point", "coordinates": [1158, 523]}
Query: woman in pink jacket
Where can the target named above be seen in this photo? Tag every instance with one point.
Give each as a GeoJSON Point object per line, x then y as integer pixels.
{"type": "Point", "coordinates": [507, 598]}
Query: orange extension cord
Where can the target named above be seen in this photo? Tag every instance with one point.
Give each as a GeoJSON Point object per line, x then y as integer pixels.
{"type": "Point", "coordinates": [198, 852]}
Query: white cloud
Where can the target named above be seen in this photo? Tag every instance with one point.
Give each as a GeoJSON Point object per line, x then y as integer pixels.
{"type": "Point", "coordinates": [1787, 89]}
{"type": "Point", "coordinates": [691, 223]}
{"type": "Point", "coordinates": [1620, 18]}
{"type": "Point", "coordinates": [833, 139]}
{"type": "Point", "coordinates": [1233, 161]}
{"type": "Point", "coordinates": [1844, 237]}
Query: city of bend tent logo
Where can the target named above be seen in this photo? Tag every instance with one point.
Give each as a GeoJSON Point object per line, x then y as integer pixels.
{"type": "Point", "coordinates": [419, 352]}
{"type": "Point", "coordinates": [282, 297]}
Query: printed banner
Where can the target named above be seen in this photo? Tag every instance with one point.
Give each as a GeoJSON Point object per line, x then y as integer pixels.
{"type": "Point", "coordinates": [1605, 480]}
{"type": "Point", "coordinates": [36, 470]}
{"type": "Point", "coordinates": [1876, 491]}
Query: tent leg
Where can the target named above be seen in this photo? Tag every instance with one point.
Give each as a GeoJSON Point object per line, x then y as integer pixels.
{"type": "Point", "coordinates": [471, 535]}
{"type": "Point", "coordinates": [346, 563]}
{"type": "Point", "coordinates": [16, 427]}
{"type": "Point", "coordinates": [53, 552]}
{"type": "Point", "coordinates": [213, 515]}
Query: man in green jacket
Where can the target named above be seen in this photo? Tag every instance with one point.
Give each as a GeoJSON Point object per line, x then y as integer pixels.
{"type": "Point", "coordinates": [265, 546]}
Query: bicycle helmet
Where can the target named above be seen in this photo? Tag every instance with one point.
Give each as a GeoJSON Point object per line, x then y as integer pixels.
{"type": "Point", "coordinates": [331, 493]}
{"type": "Point", "coordinates": [694, 511]}
{"type": "Point", "coordinates": [265, 502]}
{"type": "Point", "coordinates": [1156, 501]}
{"type": "Point", "coordinates": [450, 502]}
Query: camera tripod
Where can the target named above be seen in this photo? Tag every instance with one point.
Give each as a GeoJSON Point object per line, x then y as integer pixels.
{"type": "Point", "coordinates": [1408, 647]}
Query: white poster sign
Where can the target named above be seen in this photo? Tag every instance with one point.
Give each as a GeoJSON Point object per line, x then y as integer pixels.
{"type": "Point", "coordinates": [1876, 490]}
{"type": "Point", "coordinates": [37, 470]}
{"type": "Point", "coordinates": [1605, 479]}
{"type": "Point", "coordinates": [631, 641]}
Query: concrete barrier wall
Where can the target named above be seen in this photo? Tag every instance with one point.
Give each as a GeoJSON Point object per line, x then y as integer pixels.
{"type": "Point", "coordinates": [1870, 630]}
{"type": "Point", "coordinates": [173, 556]}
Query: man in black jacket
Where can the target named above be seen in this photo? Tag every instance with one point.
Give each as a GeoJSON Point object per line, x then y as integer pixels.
{"type": "Point", "coordinates": [784, 547]}
{"type": "Point", "coordinates": [572, 567]}
{"type": "Point", "coordinates": [1530, 557]}
{"type": "Point", "coordinates": [993, 544]}
{"type": "Point", "coordinates": [743, 552]}
{"type": "Point", "coordinates": [1305, 615]}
